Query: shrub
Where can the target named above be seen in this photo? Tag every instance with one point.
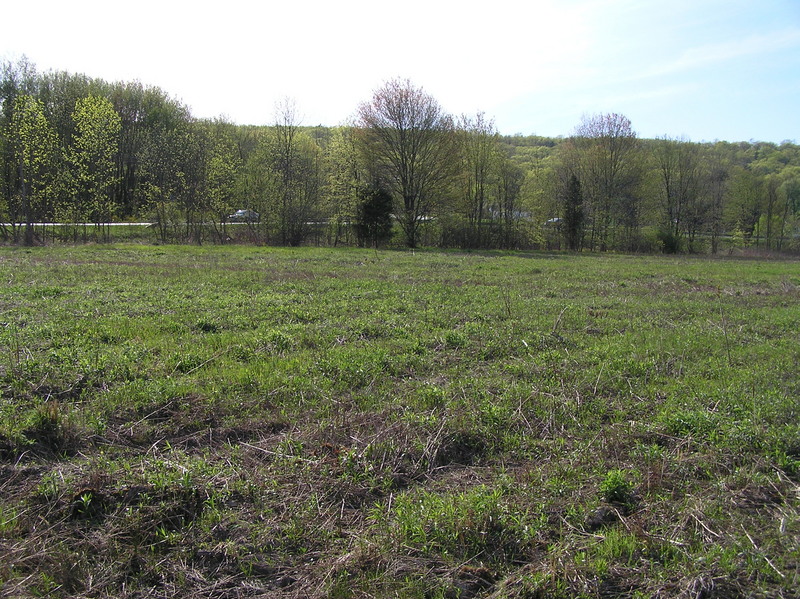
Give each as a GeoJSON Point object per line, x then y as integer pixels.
{"type": "Point", "coordinates": [616, 488]}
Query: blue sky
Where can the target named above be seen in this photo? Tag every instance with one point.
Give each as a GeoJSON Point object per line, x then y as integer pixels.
{"type": "Point", "coordinates": [701, 69]}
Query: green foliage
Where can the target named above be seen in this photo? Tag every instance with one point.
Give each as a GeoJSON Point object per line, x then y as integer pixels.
{"type": "Point", "coordinates": [669, 241]}
{"type": "Point", "coordinates": [688, 422]}
{"type": "Point", "coordinates": [37, 157]}
{"type": "Point", "coordinates": [9, 518]}
{"type": "Point", "coordinates": [465, 525]}
{"type": "Point", "coordinates": [573, 213]}
{"type": "Point", "coordinates": [616, 487]}
{"type": "Point", "coordinates": [93, 151]}
{"type": "Point", "coordinates": [374, 217]}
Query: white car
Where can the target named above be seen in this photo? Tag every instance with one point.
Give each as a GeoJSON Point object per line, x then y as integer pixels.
{"type": "Point", "coordinates": [244, 216]}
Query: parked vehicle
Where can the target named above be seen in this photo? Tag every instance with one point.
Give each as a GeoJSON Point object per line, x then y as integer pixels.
{"type": "Point", "coordinates": [244, 216]}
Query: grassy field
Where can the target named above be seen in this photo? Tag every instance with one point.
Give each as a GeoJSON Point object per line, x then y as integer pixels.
{"type": "Point", "coordinates": [255, 422]}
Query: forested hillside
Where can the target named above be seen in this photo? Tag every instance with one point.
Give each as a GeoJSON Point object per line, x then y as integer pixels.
{"type": "Point", "coordinates": [79, 150]}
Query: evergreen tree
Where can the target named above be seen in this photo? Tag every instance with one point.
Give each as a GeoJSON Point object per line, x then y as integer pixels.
{"type": "Point", "coordinates": [374, 221]}
{"type": "Point", "coordinates": [573, 213]}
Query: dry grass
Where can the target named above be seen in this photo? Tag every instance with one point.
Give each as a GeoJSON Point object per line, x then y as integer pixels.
{"type": "Point", "coordinates": [270, 423]}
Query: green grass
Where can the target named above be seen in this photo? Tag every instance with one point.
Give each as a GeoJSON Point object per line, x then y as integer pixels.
{"type": "Point", "coordinates": [231, 421]}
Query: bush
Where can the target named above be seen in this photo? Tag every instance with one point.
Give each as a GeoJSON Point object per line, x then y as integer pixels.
{"type": "Point", "coordinates": [616, 488]}
{"type": "Point", "coordinates": [670, 242]}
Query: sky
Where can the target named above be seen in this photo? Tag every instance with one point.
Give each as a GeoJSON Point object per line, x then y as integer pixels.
{"type": "Point", "coordinates": [701, 70]}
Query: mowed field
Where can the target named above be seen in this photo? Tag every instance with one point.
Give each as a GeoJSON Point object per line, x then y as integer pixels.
{"type": "Point", "coordinates": [255, 422]}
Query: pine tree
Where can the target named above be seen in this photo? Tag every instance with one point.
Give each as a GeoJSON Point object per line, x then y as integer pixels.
{"type": "Point", "coordinates": [374, 221]}
{"type": "Point", "coordinates": [573, 213]}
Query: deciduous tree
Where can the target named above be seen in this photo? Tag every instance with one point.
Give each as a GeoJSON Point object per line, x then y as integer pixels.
{"type": "Point", "coordinates": [746, 204]}
{"type": "Point", "coordinates": [295, 161]}
{"type": "Point", "coordinates": [678, 165]}
{"type": "Point", "coordinates": [222, 167]}
{"type": "Point", "coordinates": [16, 78]}
{"type": "Point", "coordinates": [479, 152]}
{"type": "Point", "coordinates": [162, 160]}
{"type": "Point", "coordinates": [610, 168]}
{"type": "Point", "coordinates": [93, 157]}
{"type": "Point", "coordinates": [508, 194]}
{"type": "Point", "coordinates": [716, 180]}
{"type": "Point", "coordinates": [36, 157]}
{"type": "Point", "coordinates": [345, 180]}
{"type": "Point", "coordinates": [409, 142]}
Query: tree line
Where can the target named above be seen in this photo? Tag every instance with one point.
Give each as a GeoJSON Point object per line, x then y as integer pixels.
{"type": "Point", "coordinates": [403, 171]}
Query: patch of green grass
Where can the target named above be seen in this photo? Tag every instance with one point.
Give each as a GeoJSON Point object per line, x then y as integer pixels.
{"type": "Point", "coordinates": [466, 525]}
{"type": "Point", "coordinates": [296, 422]}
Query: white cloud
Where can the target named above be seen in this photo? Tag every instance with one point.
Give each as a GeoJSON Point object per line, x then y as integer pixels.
{"type": "Point", "coordinates": [723, 52]}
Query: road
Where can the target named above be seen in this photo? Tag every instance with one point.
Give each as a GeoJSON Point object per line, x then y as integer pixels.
{"type": "Point", "coordinates": [81, 224]}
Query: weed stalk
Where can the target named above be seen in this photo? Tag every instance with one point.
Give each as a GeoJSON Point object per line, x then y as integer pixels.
{"type": "Point", "coordinates": [724, 326]}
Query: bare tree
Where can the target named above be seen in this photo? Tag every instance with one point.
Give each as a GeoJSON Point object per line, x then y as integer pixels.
{"type": "Point", "coordinates": [716, 181]}
{"type": "Point", "coordinates": [479, 153]}
{"type": "Point", "coordinates": [678, 166]}
{"type": "Point", "coordinates": [287, 123]}
{"type": "Point", "coordinates": [508, 186]}
{"type": "Point", "coordinates": [409, 143]}
{"type": "Point", "coordinates": [296, 164]}
{"type": "Point", "coordinates": [610, 171]}
{"type": "Point", "coordinates": [16, 80]}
